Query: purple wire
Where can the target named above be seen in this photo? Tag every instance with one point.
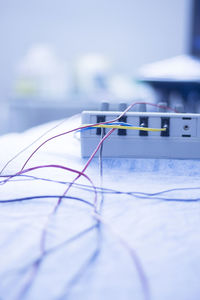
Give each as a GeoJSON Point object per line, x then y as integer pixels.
{"type": "Point", "coordinates": [87, 126]}
{"type": "Point", "coordinates": [54, 166]}
{"type": "Point", "coordinates": [72, 170]}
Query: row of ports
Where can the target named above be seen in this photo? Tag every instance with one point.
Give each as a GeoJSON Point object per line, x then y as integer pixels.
{"type": "Point", "coordinates": [144, 122]}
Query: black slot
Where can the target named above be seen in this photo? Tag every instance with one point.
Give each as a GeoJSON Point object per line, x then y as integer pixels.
{"type": "Point", "coordinates": [143, 123]}
{"type": "Point", "coordinates": [100, 119]}
{"type": "Point", "coordinates": [122, 131]}
{"type": "Point", "coordinates": [186, 118]}
{"type": "Point", "coordinates": [165, 123]}
{"type": "Point", "coordinates": [186, 135]}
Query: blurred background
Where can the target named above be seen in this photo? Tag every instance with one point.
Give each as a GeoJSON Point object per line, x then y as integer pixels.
{"type": "Point", "coordinates": [60, 57]}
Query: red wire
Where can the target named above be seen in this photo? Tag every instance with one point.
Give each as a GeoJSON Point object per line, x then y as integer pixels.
{"type": "Point", "coordinates": [93, 154]}
{"type": "Point", "coordinates": [104, 138]}
{"type": "Point", "coordinates": [85, 167]}
{"type": "Point", "coordinates": [95, 151]}
{"type": "Point", "coordinates": [86, 126]}
{"type": "Point", "coordinates": [80, 173]}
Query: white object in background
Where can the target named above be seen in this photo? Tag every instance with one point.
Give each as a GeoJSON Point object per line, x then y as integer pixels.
{"type": "Point", "coordinates": [121, 87]}
{"type": "Point", "coordinates": [179, 68]}
{"type": "Point", "coordinates": [41, 74]}
{"type": "Point", "coordinates": [92, 71]}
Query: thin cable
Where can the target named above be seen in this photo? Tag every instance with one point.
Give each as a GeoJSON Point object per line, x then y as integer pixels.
{"type": "Point", "coordinates": [50, 251]}
{"type": "Point", "coordinates": [85, 168]}
{"type": "Point", "coordinates": [44, 233]}
{"type": "Point", "coordinates": [81, 127]}
{"type": "Point", "coordinates": [85, 187]}
{"type": "Point", "coordinates": [35, 141]}
{"type": "Point", "coordinates": [95, 254]}
{"type": "Point", "coordinates": [37, 263]}
{"type": "Point", "coordinates": [22, 199]}
{"type": "Point", "coordinates": [101, 171]}
{"type": "Point", "coordinates": [115, 123]}
{"type": "Point", "coordinates": [99, 145]}
{"type": "Point", "coordinates": [168, 199]}
{"type": "Point", "coordinates": [48, 140]}
{"type": "Point", "coordinates": [90, 157]}
{"type": "Point", "coordinates": [128, 127]}
{"type": "Point", "coordinates": [66, 291]}
{"type": "Point", "coordinates": [55, 166]}
{"type": "Point", "coordinates": [134, 256]}
{"type": "Point", "coordinates": [97, 251]}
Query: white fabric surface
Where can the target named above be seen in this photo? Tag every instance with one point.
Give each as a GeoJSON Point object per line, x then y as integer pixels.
{"type": "Point", "coordinates": [165, 235]}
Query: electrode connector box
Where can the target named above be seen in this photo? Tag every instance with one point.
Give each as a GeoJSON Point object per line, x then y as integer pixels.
{"type": "Point", "coordinates": [181, 138]}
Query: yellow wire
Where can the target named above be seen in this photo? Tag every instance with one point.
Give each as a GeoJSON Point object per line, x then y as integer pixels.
{"type": "Point", "coordinates": [126, 127]}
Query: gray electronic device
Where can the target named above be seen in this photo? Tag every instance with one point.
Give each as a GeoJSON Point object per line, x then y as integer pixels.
{"type": "Point", "coordinates": [180, 140]}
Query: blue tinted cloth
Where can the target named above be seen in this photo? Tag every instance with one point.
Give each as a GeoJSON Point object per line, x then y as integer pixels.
{"type": "Point", "coordinates": [96, 265]}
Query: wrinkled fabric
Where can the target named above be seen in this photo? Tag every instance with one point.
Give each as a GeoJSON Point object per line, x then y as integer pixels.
{"type": "Point", "coordinates": [97, 265]}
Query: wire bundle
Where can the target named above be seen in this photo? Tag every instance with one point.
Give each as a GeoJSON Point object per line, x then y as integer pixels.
{"type": "Point", "coordinates": [95, 204]}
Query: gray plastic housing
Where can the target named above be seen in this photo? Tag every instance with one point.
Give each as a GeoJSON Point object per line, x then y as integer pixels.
{"type": "Point", "coordinates": [183, 140]}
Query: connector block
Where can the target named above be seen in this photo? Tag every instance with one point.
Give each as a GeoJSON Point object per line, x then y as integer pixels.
{"type": "Point", "coordinates": [181, 139]}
